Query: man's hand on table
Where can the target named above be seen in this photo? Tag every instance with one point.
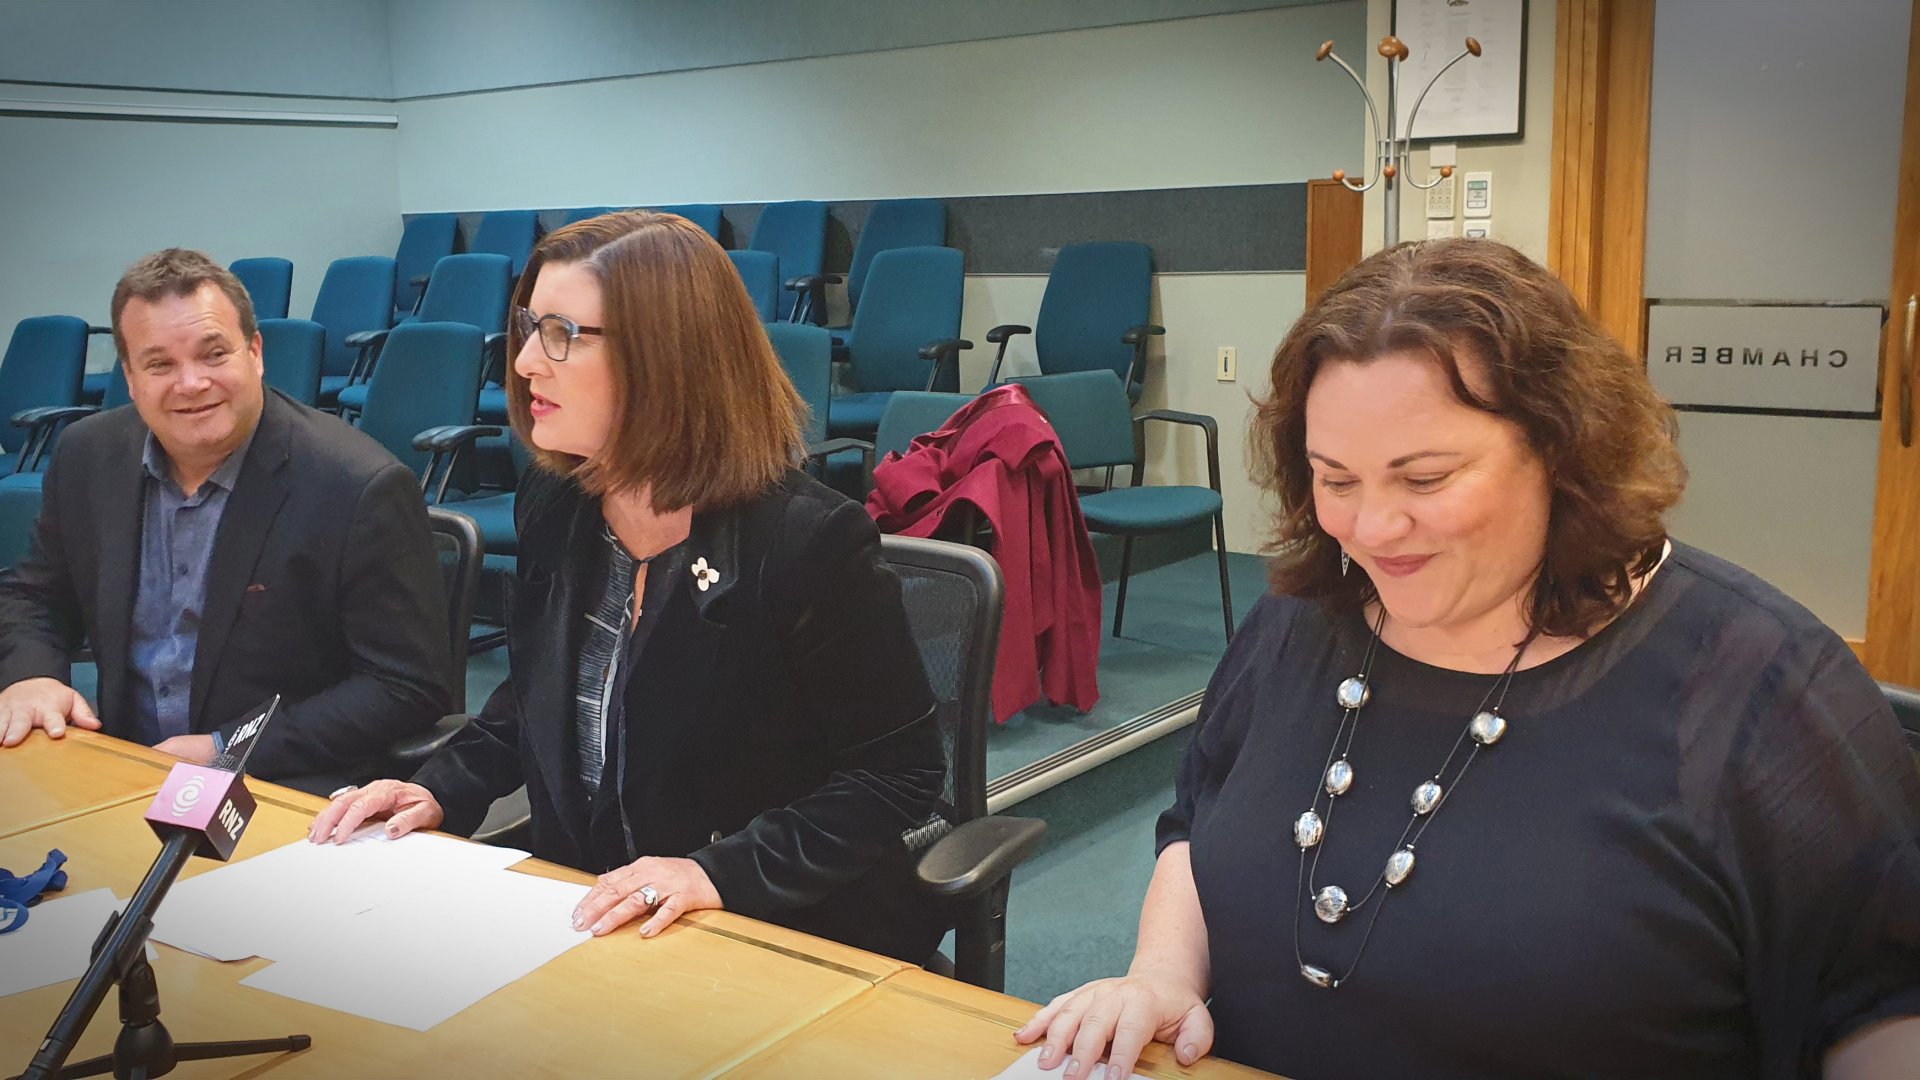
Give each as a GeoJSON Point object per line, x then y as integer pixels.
{"type": "Point", "coordinates": [198, 749]}
{"type": "Point", "coordinates": [42, 703]}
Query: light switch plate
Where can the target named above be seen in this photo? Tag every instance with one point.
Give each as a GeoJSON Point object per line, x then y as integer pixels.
{"type": "Point", "coordinates": [1479, 195]}
{"type": "Point", "coordinates": [1441, 230]}
{"type": "Point", "coordinates": [1440, 197]}
{"type": "Point", "coordinates": [1478, 229]}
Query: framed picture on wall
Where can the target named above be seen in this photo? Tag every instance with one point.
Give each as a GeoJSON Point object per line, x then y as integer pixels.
{"type": "Point", "coordinates": [1481, 96]}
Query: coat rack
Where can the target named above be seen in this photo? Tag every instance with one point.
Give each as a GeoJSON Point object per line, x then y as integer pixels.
{"type": "Point", "coordinates": [1392, 150]}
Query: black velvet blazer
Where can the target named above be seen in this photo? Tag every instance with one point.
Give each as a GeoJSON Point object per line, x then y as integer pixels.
{"type": "Point", "coordinates": [778, 725]}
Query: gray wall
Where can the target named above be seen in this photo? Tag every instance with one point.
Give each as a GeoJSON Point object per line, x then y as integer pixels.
{"type": "Point", "coordinates": [499, 43]}
{"type": "Point", "coordinates": [324, 47]}
{"type": "Point", "coordinates": [80, 199]}
{"type": "Point", "coordinates": [1772, 170]}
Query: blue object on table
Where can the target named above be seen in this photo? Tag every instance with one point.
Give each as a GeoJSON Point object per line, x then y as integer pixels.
{"type": "Point", "coordinates": [17, 894]}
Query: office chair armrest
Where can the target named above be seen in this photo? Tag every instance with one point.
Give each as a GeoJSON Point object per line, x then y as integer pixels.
{"type": "Point", "coordinates": [366, 345]}
{"type": "Point", "coordinates": [833, 446]}
{"type": "Point", "coordinates": [418, 280]}
{"type": "Point", "coordinates": [1203, 422]}
{"type": "Point", "coordinates": [43, 424]}
{"type": "Point", "coordinates": [999, 336]}
{"type": "Point", "coordinates": [1137, 335]}
{"type": "Point", "coordinates": [405, 756]}
{"type": "Point", "coordinates": [812, 281]}
{"type": "Point", "coordinates": [93, 331]}
{"type": "Point", "coordinates": [1906, 706]}
{"type": "Point", "coordinates": [978, 855]}
{"type": "Point", "coordinates": [940, 352]}
{"type": "Point", "coordinates": [51, 414]}
{"type": "Point", "coordinates": [447, 443]}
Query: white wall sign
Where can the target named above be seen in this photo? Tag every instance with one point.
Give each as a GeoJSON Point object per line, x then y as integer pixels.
{"type": "Point", "coordinates": [1795, 360]}
{"type": "Point", "coordinates": [1481, 95]}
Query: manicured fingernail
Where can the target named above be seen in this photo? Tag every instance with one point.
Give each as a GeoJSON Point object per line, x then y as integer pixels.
{"type": "Point", "coordinates": [393, 830]}
{"type": "Point", "coordinates": [1046, 1057]}
{"type": "Point", "coordinates": [1073, 1068]}
{"type": "Point", "coordinates": [1187, 1054]}
{"type": "Point", "coordinates": [576, 920]}
{"type": "Point", "coordinates": [600, 927]}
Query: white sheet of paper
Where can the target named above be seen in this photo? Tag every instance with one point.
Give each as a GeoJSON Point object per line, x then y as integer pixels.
{"type": "Point", "coordinates": [1028, 1068]}
{"type": "Point", "coordinates": [458, 941]}
{"type": "Point", "coordinates": [267, 905]}
{"type": "Point", "coordinates": [56, 944]}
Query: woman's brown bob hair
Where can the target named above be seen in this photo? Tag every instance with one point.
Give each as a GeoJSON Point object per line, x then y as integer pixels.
{"type": "Point", "coordinates": [704, 415]}
{"type": "Point", "coordinates": [1583, 403]}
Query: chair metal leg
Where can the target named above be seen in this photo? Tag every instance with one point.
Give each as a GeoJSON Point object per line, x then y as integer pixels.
{"type": "Point", "coordinates": [1126, 567]}
{"type": "Point", "coordinates": [980, 939]}
{"type": "Point", "coordinates": [1226, 590]}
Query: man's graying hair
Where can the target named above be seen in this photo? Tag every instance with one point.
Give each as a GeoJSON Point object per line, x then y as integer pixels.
{"type": "Point", "coordinates": [178, 272]}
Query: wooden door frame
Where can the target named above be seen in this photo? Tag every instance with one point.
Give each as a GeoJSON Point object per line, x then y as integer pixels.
{"type": "Point", "coordinates": [1892, 650]}
{"type": "Point", "coordinates": [1596, 242]}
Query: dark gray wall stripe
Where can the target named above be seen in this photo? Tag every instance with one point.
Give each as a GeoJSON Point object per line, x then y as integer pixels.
{"type": "Point", "coordinates": [1251, 228]}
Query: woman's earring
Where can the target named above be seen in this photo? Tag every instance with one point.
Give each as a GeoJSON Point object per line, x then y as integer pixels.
{"type": "Point", "coordinates": [1345, 561]}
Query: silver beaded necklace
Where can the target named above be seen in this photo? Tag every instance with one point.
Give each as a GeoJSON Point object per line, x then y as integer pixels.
{"type": "Point", "coordinates": [1330, 904]}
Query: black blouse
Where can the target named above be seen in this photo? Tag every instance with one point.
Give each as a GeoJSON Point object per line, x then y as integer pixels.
{"type": "Point", "coordinates": [1693, 853]}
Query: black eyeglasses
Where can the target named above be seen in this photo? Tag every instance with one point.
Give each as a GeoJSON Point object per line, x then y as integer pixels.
{"type": "Point", "coordinates": [556, 332]}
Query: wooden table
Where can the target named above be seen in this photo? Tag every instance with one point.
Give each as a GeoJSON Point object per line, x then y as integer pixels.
{"type": "Point", "coordinates": [716, 994]}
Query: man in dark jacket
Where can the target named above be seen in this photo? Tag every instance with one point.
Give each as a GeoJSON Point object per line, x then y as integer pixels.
{"type": "Point", "coordinates": [217, 544]}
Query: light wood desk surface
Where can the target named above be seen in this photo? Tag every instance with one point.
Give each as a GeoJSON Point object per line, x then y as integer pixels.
{"type": "Point", "coordinates": [43, 780]}
{"type": "Point", "coordinates": [717, 994]}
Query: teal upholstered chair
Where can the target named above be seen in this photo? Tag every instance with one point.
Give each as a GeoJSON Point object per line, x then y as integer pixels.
{"type": "Point", "coordinates": [40, 380]}
{"type": "Point", "coordinates": [906, 335]}
{"type": "Point", "coordinates": [705, 215]}
{"type": "Point", "coordinates": [891, 223]}
{"type": "Point", "coordinates": [1089, 411]}
{"type": "Point", "coordinates": [796, 234]}
{"type": "Point", "coordinates": [424, 241]}
{"type": "Point", "coordinates": [470, 289]}
{"type": "Point", "coordinates": [760, 273]}
{"type": "Point", "coordinates": [269, 284]}
{"type": "Point", "coordinates": [291, 351]}
{"type": "Point", "coordinates": [427, 379]}
{"type": "Point", "coordinates": [1093, 316]}
{"type": "Point", "coordinates": [355, 297]}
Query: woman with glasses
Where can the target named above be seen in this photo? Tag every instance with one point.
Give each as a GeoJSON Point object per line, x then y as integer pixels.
{"type": "Point", "coordinates": [714, 700]}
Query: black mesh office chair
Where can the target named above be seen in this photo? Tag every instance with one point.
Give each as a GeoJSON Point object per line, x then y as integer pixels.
{"type": "Point", "coordinates": [954, 596]}
{"type": "Point", "coordinates": [457, 544]}
{"type": "Point", "coordinates": [1906, 709]}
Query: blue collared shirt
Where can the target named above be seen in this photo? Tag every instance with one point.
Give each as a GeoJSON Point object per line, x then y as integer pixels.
{"type": "Point", "coordinates": [176, 544]}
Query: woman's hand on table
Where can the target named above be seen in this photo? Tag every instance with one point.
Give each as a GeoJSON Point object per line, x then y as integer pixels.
{"type": "Point", "coordinates": [669, 888]}
{"type": "Point", "coordinates": [405, 806]}
{"type": "Point", "coordinates": [1125, 1014]}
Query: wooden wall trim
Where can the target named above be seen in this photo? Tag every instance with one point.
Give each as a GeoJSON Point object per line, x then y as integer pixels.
{"type": "Point", "coordinates": [1893, 589]}
{"type": "Point", "coordinates": [1603, 89]}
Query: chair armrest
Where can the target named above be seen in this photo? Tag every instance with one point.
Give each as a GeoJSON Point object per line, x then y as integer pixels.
{"type": "Point", "coordinates": [978, 855]}
{"type": "Point", "coordinates": [363, 338]}
{"type": "Point", "coordinates": [52, 414]}
{"type": "Point", "coordinates": [96, 331]}
{"type": "Point", "coordinates": [1203, 422]}
{"type": "Point", "coordinates": [833, 446]}
{"type": "Point", "coordinates": [998, 336]}
{"type": "Point", "coordinates": [940, 352]}
{"type": "Point", "coordinates": [367, 344]}
{"type": "Point", "coordinates": [1137, 334]}
{"type": "Point", "coordinates": [447, 443]}
{"type": "Point", "coordinates": [405, 756]}
{"type": "Point", "coordinates": [493, 348]}
{"type": "Point", "coordinates": [812, 281]}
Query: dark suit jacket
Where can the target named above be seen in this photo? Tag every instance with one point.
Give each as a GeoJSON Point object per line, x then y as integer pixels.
{"type": "Point", "coordinates": [323, 587]}
{"type": "Point", "coordinates": [778, 728]}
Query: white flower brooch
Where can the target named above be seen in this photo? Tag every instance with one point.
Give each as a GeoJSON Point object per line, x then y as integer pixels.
{"type": "Point", "coordinates": [704, 575]}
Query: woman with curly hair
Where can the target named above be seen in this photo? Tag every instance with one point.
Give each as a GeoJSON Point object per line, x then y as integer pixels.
{"type": "Point", "coordinates": [1606, 804]}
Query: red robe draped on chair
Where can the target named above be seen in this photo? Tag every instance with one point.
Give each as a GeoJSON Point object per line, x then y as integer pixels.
{"type": "Point", "coordinates": [999, 454]}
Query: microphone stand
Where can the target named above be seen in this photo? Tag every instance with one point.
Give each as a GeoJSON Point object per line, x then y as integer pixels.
{"type": "Point", "coordinates": [144, 1048]}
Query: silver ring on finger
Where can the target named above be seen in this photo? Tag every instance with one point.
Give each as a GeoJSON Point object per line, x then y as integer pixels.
{"type": "Point", "coordinates": [337, 792]}
{"type": "Point", "coordinates": [649, 896]}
